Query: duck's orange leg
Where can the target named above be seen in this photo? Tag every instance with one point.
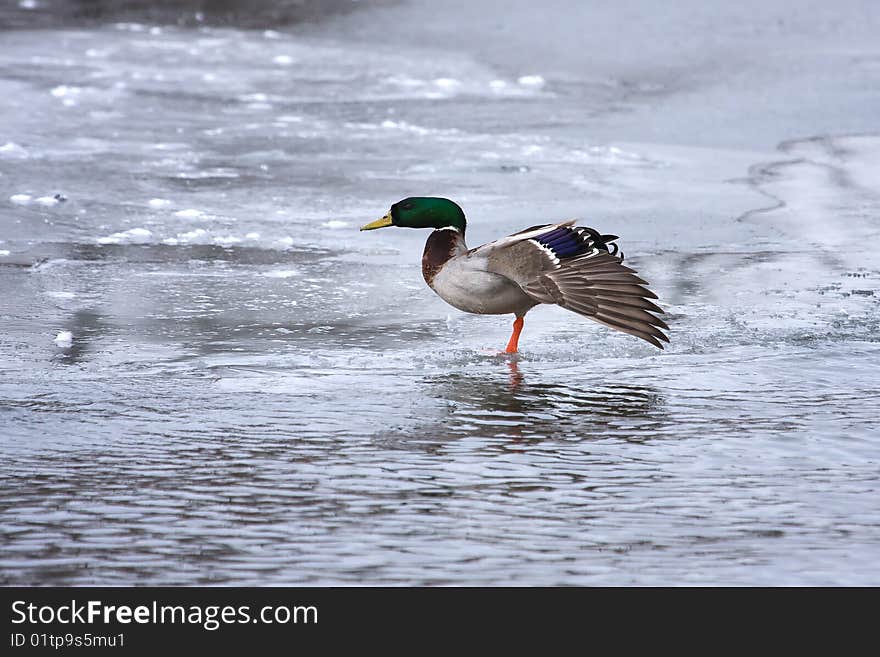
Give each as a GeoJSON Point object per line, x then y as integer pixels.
{"type": "Point", "coordinates": [513, 343]}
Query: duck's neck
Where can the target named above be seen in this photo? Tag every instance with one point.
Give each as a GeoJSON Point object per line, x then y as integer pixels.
{"type": "Point", "coordinates": [442, 245]}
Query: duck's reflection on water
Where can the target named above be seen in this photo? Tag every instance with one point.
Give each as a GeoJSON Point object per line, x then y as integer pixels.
{"type": "Point", "coordinates": [516, 377]}
{"type": "Point", "coordinates": [531, 406]}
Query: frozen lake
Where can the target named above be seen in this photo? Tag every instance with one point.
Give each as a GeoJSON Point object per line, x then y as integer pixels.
{"type": "Point", "coordinates": [209, 376]}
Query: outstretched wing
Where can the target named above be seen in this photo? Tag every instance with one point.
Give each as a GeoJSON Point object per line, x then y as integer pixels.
{"type": "Point", "coordinates": [529, 233]}
{"type": "Point", "coordinates": [577, 268]}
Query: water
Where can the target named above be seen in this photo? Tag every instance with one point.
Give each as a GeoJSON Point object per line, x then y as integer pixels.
{"type": "Point", "coordinates": [208, 376]}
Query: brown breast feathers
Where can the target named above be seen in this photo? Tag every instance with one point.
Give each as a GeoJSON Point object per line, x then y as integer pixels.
{"type": "Point", "coordinates": [440, 247]}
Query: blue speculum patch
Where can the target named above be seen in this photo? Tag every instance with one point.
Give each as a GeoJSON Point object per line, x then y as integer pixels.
{"type": "Point", "coordinates": [564, 242]}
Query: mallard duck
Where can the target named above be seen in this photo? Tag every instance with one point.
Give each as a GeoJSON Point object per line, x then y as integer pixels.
{"type": "Point", "coordinates": [571, 266]}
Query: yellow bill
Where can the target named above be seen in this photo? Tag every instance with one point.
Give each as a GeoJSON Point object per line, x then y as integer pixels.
{"type": "Point", "coordinates": [379, 223]}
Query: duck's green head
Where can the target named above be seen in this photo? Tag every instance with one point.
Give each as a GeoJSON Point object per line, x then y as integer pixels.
{"type": "Point", "coordinates": [422, 212]}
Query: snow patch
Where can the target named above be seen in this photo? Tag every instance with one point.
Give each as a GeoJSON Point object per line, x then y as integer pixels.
{"type": "Point", "coordinates": [12, 150]}
{"type": "Point", "coordinates": [280, 273]}
{"type": "Point", "coordinates": [189, 213]}
{"type": "Point", "coordinates": [226, 240]}
{"type": "Point", "coordinates": [535, 81]}
{"type": "Point", "coordinates": [131, 236]}
{"type": "Point", "coordinates": [64, 90]}
{"type": "Point", "coordinates": [64, 339]}
{"type": "Point", "coordinates": [192, 235]}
